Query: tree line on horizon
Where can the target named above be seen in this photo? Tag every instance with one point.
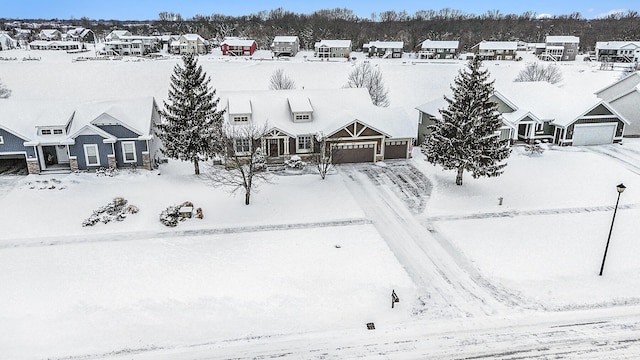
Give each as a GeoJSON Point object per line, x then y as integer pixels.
{"type": "Point", "coordinates": [412, 29]}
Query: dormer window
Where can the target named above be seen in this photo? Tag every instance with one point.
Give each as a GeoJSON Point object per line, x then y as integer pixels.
{"type": "Point", "coordinates": [302, 117]}
{"type": "Point", "coordinates": [57, 131]}
{"type": "Point", "coordinates": [240, 118]}
{"type": "Point", "coordinates": [45, 132]}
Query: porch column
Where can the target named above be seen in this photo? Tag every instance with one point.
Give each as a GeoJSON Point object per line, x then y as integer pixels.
{"type": "Point", "coordinates": [285, 142]}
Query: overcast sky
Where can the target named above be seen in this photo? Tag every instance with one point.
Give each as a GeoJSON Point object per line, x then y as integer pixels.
{"type": "Point", "coordinates": [149, 9]}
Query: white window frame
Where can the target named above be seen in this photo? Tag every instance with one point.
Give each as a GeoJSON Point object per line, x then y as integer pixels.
{"type": "Point", "coordinates": [57, 132]}
{"type": "Point", "coordinates": [45, 132]}
{"type": "Point", "coordinates": [86, 154]}
{"type": "Point", "coordinates": [124, 152]}
{"type": "Point", "coordinates": [239, 144]}
{"type": "Point", "coordinates": [242, 119]}
{"type": "Point", "coordinates": [299, 142]}
{"type": "Point", "coordinates": [1, 140]}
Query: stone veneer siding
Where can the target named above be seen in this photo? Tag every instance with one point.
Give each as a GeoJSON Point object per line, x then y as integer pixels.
{"type": "Point", "coordinates": [32, 166]}
{"type": "Point", "coordinates": [73, 163]}
{"type": "Point", "coordinates": [112, 161]}
{"type": "Point", "coordinates": [146, 160]}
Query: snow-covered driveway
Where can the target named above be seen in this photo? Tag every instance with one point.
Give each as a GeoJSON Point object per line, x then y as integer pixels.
{"type": "Point", "coordinates": [448, 283]}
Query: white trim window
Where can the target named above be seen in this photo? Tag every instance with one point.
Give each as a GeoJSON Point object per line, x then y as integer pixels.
{"type": "Point", "coordinates": [45, 132]}
{"type": "Point", "coordinates": [304, 144]}
{"type": "Point", "coordinates": [241, 119]}
{"type": "Point", "coordinates": [91, 154]}
{"type": "Point", "coordinates": [243, 146]}
{"type": "Point", "coordinates": [129, 152]}
{"type": "Point", "coordinates": [1, 140]}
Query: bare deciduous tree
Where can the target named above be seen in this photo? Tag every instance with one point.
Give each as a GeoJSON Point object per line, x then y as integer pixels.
{"type": "Point", "coordinates": [324, 155]}
{"type": "Point", "coordinates": [280, 81]}
{"type": "Point", "coordinates": [243, 165]}
{"type": "Point", "coordinates": [538, 72]}
{"type": "Point", "coordinates": [366, 76]}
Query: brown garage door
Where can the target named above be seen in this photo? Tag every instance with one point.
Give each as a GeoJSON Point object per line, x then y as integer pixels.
{"type": "Point", "coordinates": [395, 149]}
{"type": "Point", "coordinates": [353, 153]}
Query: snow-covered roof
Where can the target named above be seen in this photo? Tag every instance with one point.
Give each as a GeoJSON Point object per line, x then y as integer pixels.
{"type": "Point", "coordinates": [334, 43]}
{"type": "Point", "coordinates": [615, 45]}
{"type": "Point", "coordinates": [332, 110]}
{"type": "Point", "coordinates": [385, 44]}
{"type": "Point", "coordinates": [562, 39]}
{"type": "Point", "coordinates": [49, 32]}
{"type": "Point", "coordinates": [547, 101]}
{"type": "Point", "coordinates": [285, 39]}
{"type": "Point", "coordinates": [433, 44]}
{"type": "Point", "coordinates": [238, 42]}
{"type": "Point", "coordinates": [135, 114]}
{"type": "Point", "coordinates": [22, 117]}
{"type": "Point", "coordinates": [299, 103]}
{"type": "Point", "coordinates": [626, 85]}
{"type": "Point", "coordinates": [433, 107]}
{"type": "Point", "coordinates": [193, 37]}
{"type": "Point", "coordinates": [237, 105]}
{"type": "Point", "coordinates": [498, 45]}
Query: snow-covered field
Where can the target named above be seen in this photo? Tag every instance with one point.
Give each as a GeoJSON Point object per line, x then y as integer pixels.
{"type": "Point", "coordinates": [310, 262]}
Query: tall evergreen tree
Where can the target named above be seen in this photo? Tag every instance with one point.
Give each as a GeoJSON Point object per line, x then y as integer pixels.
{"type": "Point", "coordinates": [467, 137]}
{"type": "Point", "coordinates": [191, 130]}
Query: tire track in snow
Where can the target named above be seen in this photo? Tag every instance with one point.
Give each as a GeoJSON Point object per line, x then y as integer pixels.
{"type": "Point", "coordinates": [428, 264]}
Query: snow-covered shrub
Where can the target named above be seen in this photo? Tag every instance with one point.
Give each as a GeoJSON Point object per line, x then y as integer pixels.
{"type": "Point", "coordinates": [116, 210]}
{"type": "Point", "coordinates": [295, 162]}
{"type": "Point", "coordinates": [533, 148]}
{"type": "Point", "coordinates": [107, 172]}
{"type": "Point", "coordinates": [171, 215]}
{"type": "Point", "coordinates": [4, 91]}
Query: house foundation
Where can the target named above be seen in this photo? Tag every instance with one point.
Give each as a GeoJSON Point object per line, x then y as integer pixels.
{"type": "Point", "coordinates": [73, 163]}
{"type": "Point", "coordinates": [146, 160]}
{"type": "Point", "coordinates": [112, 161]}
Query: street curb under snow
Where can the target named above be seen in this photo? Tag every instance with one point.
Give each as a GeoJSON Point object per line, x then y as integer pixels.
{"type": "Point", "coordinates": [143, 235]}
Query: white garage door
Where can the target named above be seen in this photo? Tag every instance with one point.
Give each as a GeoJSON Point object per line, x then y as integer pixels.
{"type": "Point", "coordinates": [594, 134]}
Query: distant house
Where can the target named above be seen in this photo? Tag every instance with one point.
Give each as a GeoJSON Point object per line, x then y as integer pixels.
{"type": "Point", "coordinates": [117, 34]}
{"type": "Point", "coordinates": [238, 47]}
{"type": "Point", "coordinates": [49, 35]}
{"type": "Point", "coordinates": [384, 49]}
{"type": "Point", "coordinates": [65, 136]}
{"type": "Point", "coordinates": [357, 130]}
{"type": "Point", "coordinates": [553, 115]}
{"type": "Point", "coordinates": [496, 50]}
{"type": "Point", "coordinates": [6, 42]}
{"type": "Point", "coordinates": [190, 44]}
{"type": "Point", "coordinates": [333, 48]}
{"type": "Point", "coordinates": [120, 43]}
{"type": "Point", "coordinates": [618, 51]}
{"type": "Point", "coordinates": [560, 48]}
{"type": "Point", "coordinates": [55, 45]}
{"type": "Point", "coordinates": [438, 49]}
{"type": "Point", "coordinates": [624, 97]}
{"type": "Point", "coordinates": [285, 46]}
{"type": "Point", "coordinates": [81, 34]}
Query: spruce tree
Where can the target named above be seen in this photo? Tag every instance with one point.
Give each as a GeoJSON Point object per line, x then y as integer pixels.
{"type": "Point", "coordinates": [191, 130]}
{"type": "Point", "coordinates": [467, 137]}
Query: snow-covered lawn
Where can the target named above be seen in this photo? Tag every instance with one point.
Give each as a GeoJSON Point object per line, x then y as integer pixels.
{"type": "Point", "coordinates": [94, 298]}
{"type": "Point", "coordinates": [273, 267]}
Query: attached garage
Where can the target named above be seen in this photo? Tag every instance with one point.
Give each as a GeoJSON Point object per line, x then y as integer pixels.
{"type": "Point", "coordinates": [13, 164]}
{"type": "Point", "coordinates": [594, 134]}
{"type": "Point", "coordinates": [396, 149]}
{"type": "Point", "coordinates": [354, 153]}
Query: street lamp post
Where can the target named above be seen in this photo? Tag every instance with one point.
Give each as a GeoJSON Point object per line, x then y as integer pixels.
{"type": "Point", "coordinates": [620, 189]}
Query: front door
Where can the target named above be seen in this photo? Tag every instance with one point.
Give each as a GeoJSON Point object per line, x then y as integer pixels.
{"type": "Point", "coordinates": [274, 148]}
{"type": "Point", "coordinates": [50, 155]}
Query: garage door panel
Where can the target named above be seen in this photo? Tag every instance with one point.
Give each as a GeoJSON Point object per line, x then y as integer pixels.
{"type": "Point", "coordinates": [594, 134]}
{"type": "Point", "coordinates": [354, 153]}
